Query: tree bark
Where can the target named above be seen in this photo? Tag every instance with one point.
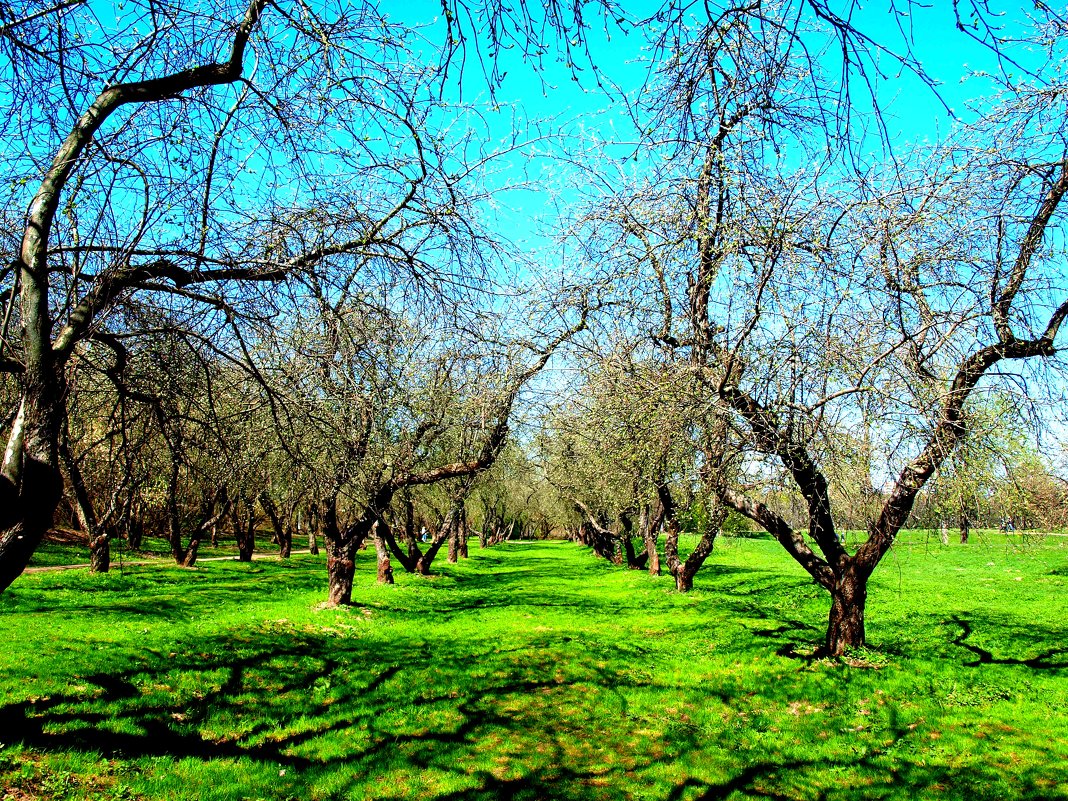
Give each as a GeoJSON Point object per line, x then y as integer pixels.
{"type": "Point", "coordinates": [650, 534]}
{"type": "Point", "coordinates": [313, 525]}
{"type": "Point", "coordinates": [385, 570]}
{"type": "Point", "coordinates": [341, 549]}
{"type": "Point", "coordinates": [671, 529]}
{"type": "Point", "coordinates": [99, 553]}
{"type": "Point", "coordinates": [245, 534]}
{"type": "Point", "coordinates": [845, 628]}
{"type": "Point", "coordinates": [683, 578]}
{"type": "Point", "coordinates": [174, 520]}
{"type": "Point", "coordinates": [422, 564]}
{"type": "Point", "coordinates": [84, 509]}
{"type": "Point", "coordinates": [684, 571]}
{"type": "Point", "coordinates": [135, 531]}
{"type": "Point", "coordinates": [626, 541]}
{"type": "Point", "coordinates": [454, 546]}
{"type": "Point", "coordinates": [406, 558]}
{"type": "Point", "coordinates": [189, 556]}
{"type": "Point", "coordinates": [340, 570]}
{"type": "Point", "coordinates": [282, 533]}
{"type": "Point", "coordinates": [463, 533]}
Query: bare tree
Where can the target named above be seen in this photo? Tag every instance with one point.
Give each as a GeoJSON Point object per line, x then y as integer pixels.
{"type": "Point", "coordinates": [181, 180]}
{"type": "Point", "coordinates": [824, 315]}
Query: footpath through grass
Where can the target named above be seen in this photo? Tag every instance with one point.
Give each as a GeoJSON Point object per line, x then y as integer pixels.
{"type": "Point", "coordinates": [535, 671]}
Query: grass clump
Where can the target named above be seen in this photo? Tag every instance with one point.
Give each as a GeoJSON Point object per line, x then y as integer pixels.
{"type": "Point", "coordinates": [534, 671]}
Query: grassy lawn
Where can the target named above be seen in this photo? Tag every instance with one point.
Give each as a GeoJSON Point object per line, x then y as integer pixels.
{"type": "Point", "coordinates": [535, 671]}
{"type": "Point", "coordinates": [70, 548]}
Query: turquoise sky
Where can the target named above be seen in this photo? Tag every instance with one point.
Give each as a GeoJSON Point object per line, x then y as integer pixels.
{"type": "Point", "coordinates": [912, 112]}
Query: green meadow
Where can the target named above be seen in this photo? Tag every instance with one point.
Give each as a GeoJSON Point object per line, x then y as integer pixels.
{"type": "Point", "coordinates": [536, 671]}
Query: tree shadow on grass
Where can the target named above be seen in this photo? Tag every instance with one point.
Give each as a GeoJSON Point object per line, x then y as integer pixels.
{"type": "Point", "coordinates": [161, 593]}
{"type": "Point", "coordinates": [1050, 659]}
{"type": "Point", "coordinates": [539, 722]}
{"type": "Point", "coordinates": [580, 714]}
{"type": "Point", "coordinates": [317, 707]}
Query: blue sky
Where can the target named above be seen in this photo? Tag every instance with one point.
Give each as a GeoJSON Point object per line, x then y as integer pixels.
{"type": "Point", "coordinates": [912, 112]}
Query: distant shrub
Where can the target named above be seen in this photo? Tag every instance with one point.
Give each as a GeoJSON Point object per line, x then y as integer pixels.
{"type": "Point", "coordinates": [738, 525]}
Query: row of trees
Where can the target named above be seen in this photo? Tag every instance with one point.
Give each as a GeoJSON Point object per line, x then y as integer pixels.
{"type": "Point", "coordinates": [251, 284]}
{"type": "Point", "coordinates": [258, 276]}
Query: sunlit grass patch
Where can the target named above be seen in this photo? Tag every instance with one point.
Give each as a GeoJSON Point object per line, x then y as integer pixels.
{"type": "Point", "coordinates": [535, 671]}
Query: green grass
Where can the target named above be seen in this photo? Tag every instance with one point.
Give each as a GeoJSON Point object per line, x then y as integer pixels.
{"type": "Point", "coordinates": [535, 671]}
{"type": "Point", "coordinates": [70, 549]}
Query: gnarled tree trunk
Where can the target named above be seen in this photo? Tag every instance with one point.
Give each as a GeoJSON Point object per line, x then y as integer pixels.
{"type": "Point", "coordinates": [845, 628]}
{"type": "Point", "coordinates": [99, 536]}
{"type": "Point", "coordinates": [340, 570]}
{"type": "Point", "coordinates": [684, 571]}
{"type": "Point", "coordinates": [385, 570]}
{"type": "Point", "coordinates": [635, 561]}
{"type": "Point", "coordinates": [245, 531]}
{"type": "Point", "coordinates": [444, 533]}
{"type": "Point", "coordinates": [454, 545]}
{"type": "Point", "coordinates": [282, 533]}
{"type": "Point", "coordinates": [651, 522]}
{"type": "Point", "coordinates": [341, 548]}
{"type": "Point", "coordinates": [462, 533]}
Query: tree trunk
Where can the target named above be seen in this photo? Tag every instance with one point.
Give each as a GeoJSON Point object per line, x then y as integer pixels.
{"type": "Point", "coordinates": [31, 484]}
{"type": "Point", "coordinates": [31, 508]}
{"type": "Point", "coordinates": [422, 564]}
{"type": "Point", "coordinates": [845, 628]}
{"type": "Point", "coordinates": [99, 553]}
{"type": "Point", "coordinates": [282, 534]}
{"type": "Point", "coordinates": [340, 570]}
{"type": "Point", "coordinates": [671, 545]}
{"type": "Point", "coordinates": [454, 545]}
{"type": "Point", "coordinates": [685, 571]}
{"type": "Point", "coordinates": [965, 527]}
{"type": "Point", "coordinates": [487, 537]}
{"type": "Point", "coordinates": [634, 560]}
{"type": "Point", "coordinates": [405, 558]}
{"type": "Point", "coordinates": [463, 532]}
{"type": "Point", "coordinates": [135, 531]}
{"type": "Point", "coordinates": [683, 578]}
{"type": "Point", "coordinates": [313, 527]}
{"type": "Point", "coordinates": [246, 535]}
{"type": "Point", "coordinates": [445, 532]}
{"type": "Point", "coordinates": [212, 510]}
{"type": "Point", "coordinates": [341, 548]}
{"type": "Point", "coordinates": [385, 570]}
{"type": "Point", "coordinates": [650, 532]}
{"type": "Point", "coordinates": [653, 555]}
{"type": "Point", "coordinates": [84, 509]}
{"type": "Point", "coordinates": [189, 557]}
{"type": "Point", "coordinates": [174, 520]}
